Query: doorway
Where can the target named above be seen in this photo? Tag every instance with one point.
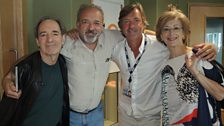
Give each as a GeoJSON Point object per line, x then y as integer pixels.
{"type": "Point", "coordinates": [111, 9]}
{"type": "Point", "coordinates": [12, 34]}
{"type": "Point", "coordinates": [207, 21]}
{"type": "Point", "coordinates": [214, 34]}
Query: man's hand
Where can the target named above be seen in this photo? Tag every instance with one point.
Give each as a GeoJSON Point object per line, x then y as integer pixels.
{"type": "Point", "coordinates": [9, 87]}
{"type": "Point", "coordinates": [73, 34]}
{"type": "Point", "coordinates": [192, 63]}
{"type": "Point", "coordinates": [206, 51]}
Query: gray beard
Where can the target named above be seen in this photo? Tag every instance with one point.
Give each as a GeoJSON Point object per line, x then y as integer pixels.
{"type": "Point", "coordinates": [91, 40]}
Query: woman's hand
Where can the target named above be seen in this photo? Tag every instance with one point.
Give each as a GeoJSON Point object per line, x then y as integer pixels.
{"type": "Point", "coordinates": [191, 63]}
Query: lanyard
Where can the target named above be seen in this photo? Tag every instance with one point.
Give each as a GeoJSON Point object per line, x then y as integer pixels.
{"type": "Point", "coordinates": [131, 70]}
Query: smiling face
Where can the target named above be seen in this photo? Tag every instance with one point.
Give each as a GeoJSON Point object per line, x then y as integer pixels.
{"type": "Point", "coordinates": [132, 25]}
{"type": "Point", "coordinates": [173, 25]}
{"type": "Point", "coordinates": [50, 38]}
{"type": "Point", "coordinates": [90, 25]}
{"type": "Point", "coordinates": [172, 33]}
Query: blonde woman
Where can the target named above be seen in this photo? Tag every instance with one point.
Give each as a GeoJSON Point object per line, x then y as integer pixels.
{"type": "Point", "coordinates": [191, 88]}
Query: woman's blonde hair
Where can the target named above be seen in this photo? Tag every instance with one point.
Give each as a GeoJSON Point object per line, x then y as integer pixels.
{"type": "Point", "coordinates": [171, 14]}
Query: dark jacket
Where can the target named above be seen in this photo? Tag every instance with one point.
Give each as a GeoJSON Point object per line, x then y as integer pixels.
{"type": "Point", "coordinates": [31, 80]}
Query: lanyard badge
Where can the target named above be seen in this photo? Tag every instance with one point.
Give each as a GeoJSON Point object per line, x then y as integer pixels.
{"type": "Point", "coordinates": [127, 91]}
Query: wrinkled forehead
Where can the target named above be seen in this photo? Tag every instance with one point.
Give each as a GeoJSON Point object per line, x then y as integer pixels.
{"type": "Point", "coordinates": [48, 26]}
{"type": "Point", "coordinates": [91, 14]}
{"type": "Point", "coordinates": [135, 13]}
{"type": "Point", "coordinates": [173, 22]}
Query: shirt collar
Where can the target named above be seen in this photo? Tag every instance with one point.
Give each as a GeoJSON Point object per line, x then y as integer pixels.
{"type": "Point", "coordinates": [101, 40]}
{"type": "Point", "coordinates": [141, 48]}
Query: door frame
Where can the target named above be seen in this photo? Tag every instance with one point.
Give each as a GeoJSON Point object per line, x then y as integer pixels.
{"type": "Point", "coordinates": [1, 58]}
{"type": "Point", "coordinates": [197, 15]}
{"type": "Point", "coordinates": [19, 35]}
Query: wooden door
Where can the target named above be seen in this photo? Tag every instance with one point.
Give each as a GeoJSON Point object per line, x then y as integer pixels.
{"type": "Point", "coordinates": [12, 43]}
{"type": "Point", "coordinates": [198, 14]}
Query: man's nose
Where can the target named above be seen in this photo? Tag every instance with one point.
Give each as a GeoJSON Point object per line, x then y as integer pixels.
{"type": "Point", "coordinates": [91, 26]}
{"type": "Point", "coordinates": [132, 24]}
{"type": "Point", "coordinates": [49, 38]}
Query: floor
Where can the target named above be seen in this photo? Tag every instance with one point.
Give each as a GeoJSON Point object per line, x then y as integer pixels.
{"type": "Point", "coordinates": [110, 123]}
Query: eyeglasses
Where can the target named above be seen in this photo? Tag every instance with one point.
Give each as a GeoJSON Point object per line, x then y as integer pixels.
{"type": "Point", "coordinates": [88, 22]}
{"type": "Point", "coordinates": [174, 30]}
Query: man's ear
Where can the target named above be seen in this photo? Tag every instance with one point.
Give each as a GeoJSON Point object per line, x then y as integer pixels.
{"type": "Point", "coordinates": [77, 24]}
{"type": "Point", "coordinates": [37, 41]}
{"type": "Point", "coordinates": [63, 39]}
{"type": "Point", "coordinates": [119, 24]}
